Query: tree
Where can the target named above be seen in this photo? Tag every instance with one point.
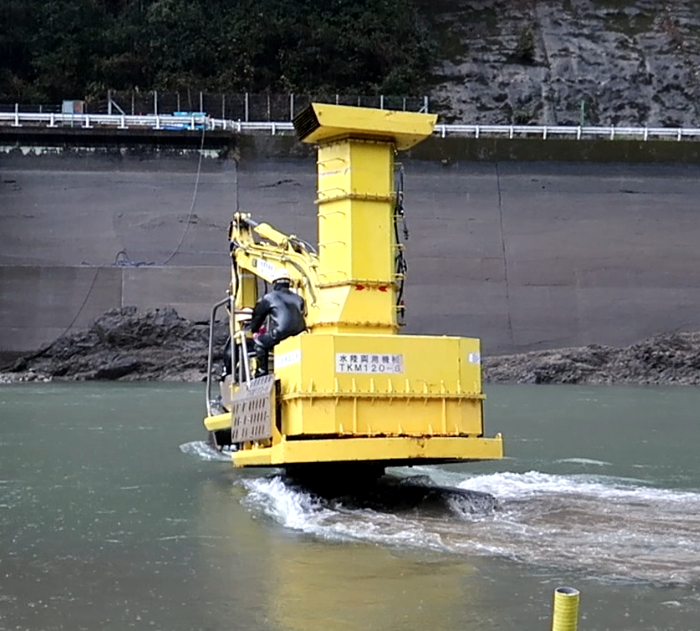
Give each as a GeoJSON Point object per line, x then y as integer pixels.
{"type": "Point", "coordinates": [55, 49]}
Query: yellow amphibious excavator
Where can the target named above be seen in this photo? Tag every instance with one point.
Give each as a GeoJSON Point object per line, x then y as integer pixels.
{"type": "Point", "coordinates": [350, 391]}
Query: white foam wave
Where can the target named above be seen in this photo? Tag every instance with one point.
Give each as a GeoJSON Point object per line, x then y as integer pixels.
{"type": "Point", "coordinates": [584, 461]}
{"type": "Point", "coordinates": [609, 526]}
{"type": "Point", "coordinates": [302, 512]}
{"type": "Point", "coordinates": [534, 483]}
{"type": "Point", "coordinates": [292, 509]}
{"type": "Point", "coordinates": [203, 451]}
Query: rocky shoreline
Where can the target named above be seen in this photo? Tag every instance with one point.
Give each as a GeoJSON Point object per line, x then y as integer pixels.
{"type": "Point", "coordinates": [126, 345]}
{"type": "Point", "coordinates": [671, 359]}
{"type": "Point", "coordinates": [158, 345]}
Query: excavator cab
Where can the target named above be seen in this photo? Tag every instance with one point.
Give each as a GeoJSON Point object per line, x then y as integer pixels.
{"type": "Point", "coordinates": [351, 392]}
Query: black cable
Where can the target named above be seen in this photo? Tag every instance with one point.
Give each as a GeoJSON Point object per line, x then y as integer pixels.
{"type": "Point", "coordinates": [504, 252]}
{"type": "Point", "coordinates": [122, 259]}
{"type": "Point", "coordinates": [82, 306]}
{"type": "Point", "coordinates": [400, 263]}
{"type": "Point", "coordinates": [194, 198]}
{"type": "Point", "coordinates": [44, 349]}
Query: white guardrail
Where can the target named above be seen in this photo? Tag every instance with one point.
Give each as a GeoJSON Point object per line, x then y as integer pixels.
{"type": "Point", "coordinates": [195, 122]}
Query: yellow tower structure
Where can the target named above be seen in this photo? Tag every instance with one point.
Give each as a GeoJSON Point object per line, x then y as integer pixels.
{"type": "Point", "coordinates": [351, 389]}
{"type": "Point", "coordinates": [356, 202]}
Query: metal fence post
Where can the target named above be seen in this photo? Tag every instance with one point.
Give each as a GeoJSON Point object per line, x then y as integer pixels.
{"type": "Point", "coordinates": [109, 102]}
{"type": "Point", "coordinates": [381, 101]}
{"type": "Point", "coordinates": [291, 106]}
{"type": "Point", "coordinates": [269, 113]}
{"type": "Point", "coordinates": [133, 98]}
{"type": "Point", "coordinates": [201, 101]}
{"type": "Point", "coordinates": [155, 102]}
{"type": "Point", "coordinates": [246, 107]}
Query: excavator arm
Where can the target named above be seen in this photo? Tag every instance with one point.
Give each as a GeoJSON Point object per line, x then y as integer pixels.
{"type": "Point", "coordinates": [258, 250]}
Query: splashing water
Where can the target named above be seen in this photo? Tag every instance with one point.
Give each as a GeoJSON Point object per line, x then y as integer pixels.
{"type": "Point", "coordinates": [202, 450]}
{"type": "Point", "coordinates": [618, 528]}
{"type": "Point", "coordinates": [611, 527]}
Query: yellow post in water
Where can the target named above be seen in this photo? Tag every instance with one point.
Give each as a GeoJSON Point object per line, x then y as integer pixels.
{"type": "Point", "coordinates": [565, 609]}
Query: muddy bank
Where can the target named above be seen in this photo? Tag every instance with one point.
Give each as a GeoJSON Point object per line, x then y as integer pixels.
{"type": "Point", "coordinates": [672, 359]}
{"type": "Point", "coordinates": [159, 345]}
{"type": "Point", "coordinates": [127, 345]}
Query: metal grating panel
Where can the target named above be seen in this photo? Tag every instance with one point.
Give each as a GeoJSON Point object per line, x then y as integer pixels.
{"type": "Point", "coordinates": [253, 407]}
{"type": "Point", "coordinates": [306, 122]}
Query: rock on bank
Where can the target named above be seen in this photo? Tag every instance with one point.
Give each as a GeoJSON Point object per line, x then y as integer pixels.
{"type": "Point", "coordinates": [672, 359]}
{"type": "Point", "coordinates": [128, 345]}
{"type": "Point", "coordinates": [158, 345]}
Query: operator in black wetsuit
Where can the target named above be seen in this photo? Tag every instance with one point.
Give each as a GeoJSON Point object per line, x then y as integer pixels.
{"type": "Point", "coordinates": [286, 312]}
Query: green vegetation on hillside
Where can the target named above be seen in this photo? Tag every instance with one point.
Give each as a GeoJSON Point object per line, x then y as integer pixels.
{"type": "Point", "coordinates": [55, 49]}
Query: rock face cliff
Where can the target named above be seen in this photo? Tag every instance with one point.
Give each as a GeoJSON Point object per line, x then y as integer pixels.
{"type": "Point", "coordinates": [563, 62]}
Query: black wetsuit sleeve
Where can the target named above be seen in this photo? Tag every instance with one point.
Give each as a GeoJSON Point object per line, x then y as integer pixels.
{"type": "Point", "coordinates": [260, 312]}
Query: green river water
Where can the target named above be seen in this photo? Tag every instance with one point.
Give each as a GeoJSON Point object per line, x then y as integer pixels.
{"type": "Point", "coordinates": [114, 515]}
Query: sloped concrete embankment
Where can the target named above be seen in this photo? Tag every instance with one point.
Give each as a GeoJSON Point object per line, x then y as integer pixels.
{"type": "Point", "coordinates": [525, 255]}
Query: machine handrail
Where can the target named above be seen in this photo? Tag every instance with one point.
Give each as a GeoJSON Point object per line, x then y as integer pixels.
{"type": "Point", "coordinates": [210, 354]}
{"type": "Point", "coordinates": [243, 364]}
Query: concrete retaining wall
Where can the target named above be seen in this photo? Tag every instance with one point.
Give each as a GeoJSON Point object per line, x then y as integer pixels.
{"type": "Point", "coordinates": [525, 255]}
{"type": "Point", "coordinates": [39, 303]}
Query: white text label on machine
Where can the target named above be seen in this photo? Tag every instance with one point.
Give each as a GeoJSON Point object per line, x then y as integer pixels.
{"type": "Point", "coordinates": [287, 359]}
{"type": "Point", "coordinates": [265, 267]}
{"type": "Point", "coordinates": [369, 363]}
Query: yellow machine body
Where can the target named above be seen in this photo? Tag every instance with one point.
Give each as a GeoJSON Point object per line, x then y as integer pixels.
{"type": "Point", "coordinates": [351, 389]}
